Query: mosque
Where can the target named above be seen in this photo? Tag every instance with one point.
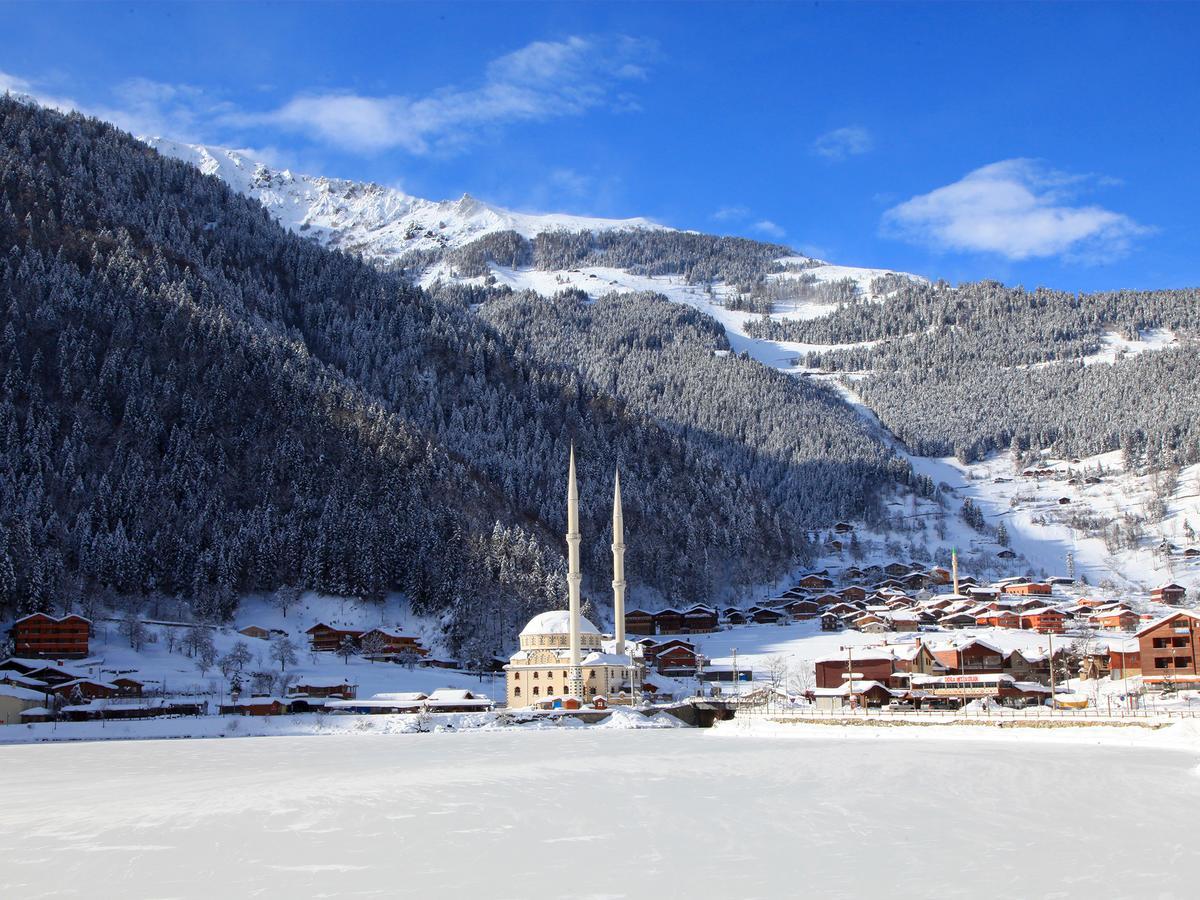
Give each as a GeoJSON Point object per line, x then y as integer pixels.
{"type": "Point", "coordinates": [551, 664]}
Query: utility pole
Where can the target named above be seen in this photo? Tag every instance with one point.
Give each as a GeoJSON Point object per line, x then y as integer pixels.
{"type": "Point", "coordinates": [735, 671]}
{"type": "Point", "coordinates": [1053, 700]}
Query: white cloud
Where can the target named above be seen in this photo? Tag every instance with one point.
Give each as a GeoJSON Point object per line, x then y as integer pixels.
{"type": "Point", "coordinates": [1017, 208]}
{"type": "Point", "coordinates": [543, 80]}
{"type": "Point", "coordinates": [731, 214]}
{"type": "Point", "coordinates": [769, 228]}
{"type": "Point", "coordinates": [853, 140]}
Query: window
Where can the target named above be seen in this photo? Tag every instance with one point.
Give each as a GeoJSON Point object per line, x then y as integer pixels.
{"type": "Point", "coordinates": [1162, 662]}
{"type": "Point", "coordinates": [1179, 642]}
{"type": "Point", "coordinates": [1183, 662]}
{"type": "Point", "coordinates": [536, 690]}
{"type": "Point", "coordinates": [516, 676]}
{"type": "Point", "coordinates": [516, 692]}
{"type": "Point", "coordinates": [1159, 643]}
{"type": "Point", "coordinates": [535, 675]}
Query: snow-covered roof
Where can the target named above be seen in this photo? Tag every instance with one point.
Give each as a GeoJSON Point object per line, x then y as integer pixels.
{"type": "Point", "coordinates": [556, 621]}
{"type": "Point", "coordinates": [400, 695]}
{"type": "Point", "coordinates": [20, 693]}
{"type": "Point", "coordinates": [1167, 618]}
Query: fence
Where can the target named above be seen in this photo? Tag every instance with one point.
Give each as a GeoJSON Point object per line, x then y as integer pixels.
{"type": "Point", "coordinates": [774, 710]}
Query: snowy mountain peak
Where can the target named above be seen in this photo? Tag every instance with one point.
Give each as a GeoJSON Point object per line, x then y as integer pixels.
{"type": "Point", "coordinates": [377, 220]}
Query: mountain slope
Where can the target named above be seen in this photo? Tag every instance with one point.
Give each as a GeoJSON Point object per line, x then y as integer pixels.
{"type": "Point", "coordinates": [199, 404]}
{"type": "Point", "coordinates": [381, 222]}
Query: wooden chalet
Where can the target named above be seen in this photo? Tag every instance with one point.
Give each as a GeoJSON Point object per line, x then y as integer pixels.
{"type": "Point", "coordinates": [60, 637]}
{"type": "Point", "coordinates": [638, 621]}
{"type": "Point", "coordinates": [1046, 620]}
{"type": "Point", "coordinates": [255, 631]}
{"type": "Point", "coordinates": [311, 686]}
{"type": "Point", "coordinates": [668, 621]}
{"type": "Point", "coordinates": [1172, 594]}
{"type": "Point", "coordinates": [391, 644]}
{"type": "Point", "coordinates": [326, 639]}
{"type": "Point", "coordinates": [1168, 651]}
{"type": "Point", "coordinates": [1029, 588]}
{"type": "Point", "coordinates": [87, 688]}
{"type": "Point", "coordinates": [763, 615]}
{"type": "Point", "coordinates": [972, 656]}
{"type": "Point", "coordinates": [1116, 620]}
{"type": "Point", "coordinates": [699, 619]}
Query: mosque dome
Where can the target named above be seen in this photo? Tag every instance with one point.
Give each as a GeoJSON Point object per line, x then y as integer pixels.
{"type": "Point", "coordinates": [557, 621]}
{"type": "Point", "coordinates": [552, 630]}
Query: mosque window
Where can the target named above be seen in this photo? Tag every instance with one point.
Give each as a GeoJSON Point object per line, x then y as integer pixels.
{"type": "Point", "coordinates": [536, 690]}
{"type": "Point", "coordinates": [516, 692]}
{"type": "Point", "coordinates": [535, 674]}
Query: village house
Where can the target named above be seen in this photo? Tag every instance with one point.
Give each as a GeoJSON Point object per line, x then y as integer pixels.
{"type": "Point", "coordinates": [668, 621]}
{"type": "Point", "coordinates": [15, 700]}
{"type": "Point", "coordinates": [1167, 649]}
{"type": "Point", "coordinates": [674, 658]}
{"type": "Point", "coordinates": [1046, 620]}
{"type": "Point", "coordinates": [1125, 661]}
{"type": "Point", "coordinates": [326, 639]}
{"type": "Point", "coordinates": [802, 610]}
{"type": "Point", "coordinates": [1029, 588]}
{"type": "Point", "coordinates": [762, 615]}
{"type": "Point", "coordinates": [871, 663]}
{"type": "Point", "coordinates": [86, 688]}
{"type": "Point", "coordinates": [1116, 620]}
{"type": "Point", "coordinates": [60, 637]}
{"type": "Point", "coordinates": [972, 656]}
{"type": "Point", "coordinates": [1029, 665]}
{"type": "Point", "coordinates": [255, 631]}
{"type": "Point", "coordinates": [1172, 594]}
{"type": "Point", "coordinates": [815, 582]}
{"type": "Point", "coordinates": [318, 686]}
{"type": "Point", "coordinates": [639, 621]}
{"type": "Point", "coordinates": [254, 706]}
{"type": "Point", "coordinates": [699, 619]}
{"type": "Point", "coordinates": [388, 644]}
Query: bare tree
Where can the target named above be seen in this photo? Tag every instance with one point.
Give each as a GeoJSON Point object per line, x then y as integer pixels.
{"type": "Point", "coordinates": [347, 648]}
{"type": "Point", "coordinates": [285, 598]}
{"type": "Point", "coordinates": [283, 651]}
{"type": "Point", "coordinates": [235, 660]}
{"type": "Point", "coordinates": [133, 630]}
{"type": "Point", "coordinates": [373, 645]}
{"type": "Point", "coordinates": [778, 668]}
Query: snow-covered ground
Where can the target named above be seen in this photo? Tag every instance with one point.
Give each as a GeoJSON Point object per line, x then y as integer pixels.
{"type": "Point", "coordinates": [380, 221]}
{"type": "Point", "coordinates": [586, 813]}
{"type": "Point", "coordinates": [178, 674]}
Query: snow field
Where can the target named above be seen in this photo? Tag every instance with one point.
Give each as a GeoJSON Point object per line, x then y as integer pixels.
{"type": "Point", "coordinates": [584, 813]}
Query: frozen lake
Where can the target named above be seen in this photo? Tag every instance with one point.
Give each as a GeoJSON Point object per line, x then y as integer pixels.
{"type": "Point", "coordinates": [595, 813]}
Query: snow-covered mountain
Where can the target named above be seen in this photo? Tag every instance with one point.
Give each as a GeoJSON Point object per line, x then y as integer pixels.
{"type": "Point", "coordinates": [385, 223]}
{"type": "Point", "coordinates": [378, 221]}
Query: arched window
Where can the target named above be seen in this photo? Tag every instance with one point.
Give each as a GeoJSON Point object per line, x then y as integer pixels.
{"type": "Point", "coordinates": [516, 676]}
{"type": "Point", "coordinates": [536, 690]}
{"type": "Point", "coordinates": [516, 692]}
{"type": "Point", "coordinates": [535, 674]}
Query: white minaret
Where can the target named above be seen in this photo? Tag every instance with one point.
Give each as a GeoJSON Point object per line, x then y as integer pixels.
{"type": "Point", "coordinates": [574, 577]}
{"type": "Point", "coordinates": [618, 549]}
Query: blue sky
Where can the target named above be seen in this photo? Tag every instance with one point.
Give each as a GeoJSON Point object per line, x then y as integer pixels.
{"type": "Point", "coordinates": [1032, 143]}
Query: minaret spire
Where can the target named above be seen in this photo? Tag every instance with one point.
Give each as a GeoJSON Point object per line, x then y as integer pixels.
{"type": "Point", "coordinates": [618, 549]}
{"type": "Point", "coordinates": [574, 577]}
